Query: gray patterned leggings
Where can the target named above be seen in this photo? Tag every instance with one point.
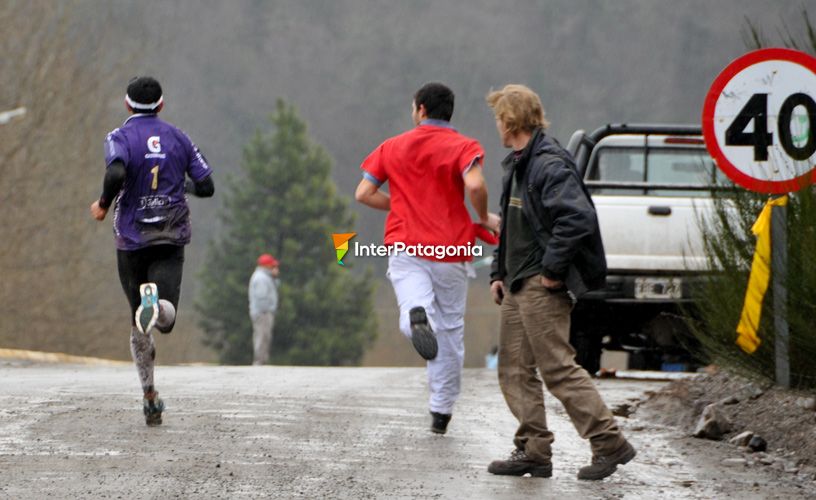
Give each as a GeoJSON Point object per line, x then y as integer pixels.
{"type": "Point", "coordinates": [143, 351]}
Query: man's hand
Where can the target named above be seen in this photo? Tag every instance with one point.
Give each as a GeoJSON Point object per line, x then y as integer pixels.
{"type": "Point", "coordinates": [98, 212]}
{"type": "Point", "coordinates": [497, 290]}
{"type": "Point", "coordinates": [551, 284]}
{"type": "Point", "coordinates": [492, 223]}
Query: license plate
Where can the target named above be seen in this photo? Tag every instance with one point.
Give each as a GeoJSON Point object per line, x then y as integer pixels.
{"type": "Point", "coordinates": [658, 288]}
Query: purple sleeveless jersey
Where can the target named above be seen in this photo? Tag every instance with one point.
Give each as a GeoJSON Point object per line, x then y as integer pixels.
{"type": "Point", "coordinates": [151, 209]}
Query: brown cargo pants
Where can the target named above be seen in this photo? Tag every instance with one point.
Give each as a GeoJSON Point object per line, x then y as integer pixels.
{"type": "Point", "coordinates": [535, 324]}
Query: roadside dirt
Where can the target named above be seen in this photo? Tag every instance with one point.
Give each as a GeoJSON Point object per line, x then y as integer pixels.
{"type": "Point", "coordinates": [775, 414]}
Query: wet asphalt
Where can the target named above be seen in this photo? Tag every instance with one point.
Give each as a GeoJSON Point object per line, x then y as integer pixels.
{"type": "Point", "coordinates": [73, 431]}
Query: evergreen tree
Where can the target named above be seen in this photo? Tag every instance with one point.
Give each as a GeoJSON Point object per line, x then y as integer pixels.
{"type": "Point", "coordinates": [286, 204]}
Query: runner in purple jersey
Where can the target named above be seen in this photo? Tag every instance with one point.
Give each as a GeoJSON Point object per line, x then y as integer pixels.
{"type": "Point", "coordinates": [151, 165]}
{"type": "Point", "coordinates": [152, 206]}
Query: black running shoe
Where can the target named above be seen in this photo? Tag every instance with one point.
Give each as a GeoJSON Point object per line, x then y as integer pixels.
{"type": "Point", "coordinates": [153, 408]}
{"type": "Point", "coordinates": [439, 422]}
{"type": "Point", "coordinates": [422, 336]}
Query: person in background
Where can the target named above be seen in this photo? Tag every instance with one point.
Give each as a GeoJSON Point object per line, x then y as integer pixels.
{"type": "Point", "coordinates": [492, 358]}
{"type": "Point", "coordinates": [263, 304]}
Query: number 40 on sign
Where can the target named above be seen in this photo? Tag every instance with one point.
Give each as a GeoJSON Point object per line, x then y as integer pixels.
{"type": "Point", "coordinates": [759, 119]}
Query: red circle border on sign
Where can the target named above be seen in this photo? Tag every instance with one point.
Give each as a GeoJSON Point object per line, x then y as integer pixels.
{"type": "Point", "coordinates": [737, 65]}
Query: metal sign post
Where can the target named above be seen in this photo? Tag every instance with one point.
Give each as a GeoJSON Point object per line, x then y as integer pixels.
{"type": "Point", "coordinates": [779, 276]}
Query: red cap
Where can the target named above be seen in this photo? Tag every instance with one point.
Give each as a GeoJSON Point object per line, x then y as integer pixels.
{"type": "Point", "coordinates": [267, 260]}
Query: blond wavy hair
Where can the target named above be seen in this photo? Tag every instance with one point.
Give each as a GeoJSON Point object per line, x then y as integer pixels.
{"type": "Point", "coordinates": [518, 108]}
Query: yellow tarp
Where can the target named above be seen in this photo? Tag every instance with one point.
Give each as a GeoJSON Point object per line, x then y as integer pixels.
{"type": "Point", "coordinates": [747, 337]}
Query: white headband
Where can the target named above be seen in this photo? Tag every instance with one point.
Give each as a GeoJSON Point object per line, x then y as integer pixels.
{"type": "Point", "coordinates": [137, 105]}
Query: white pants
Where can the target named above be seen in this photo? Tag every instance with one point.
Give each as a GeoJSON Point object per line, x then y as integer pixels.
{"type": "Point", "coordinates": [441, 288]}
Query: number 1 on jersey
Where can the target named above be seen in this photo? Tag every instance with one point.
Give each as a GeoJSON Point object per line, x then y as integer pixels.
{"type": "Point", "coordinates": [155, 172]}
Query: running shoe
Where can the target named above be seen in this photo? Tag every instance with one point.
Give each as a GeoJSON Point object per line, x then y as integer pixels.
{"type": "Point", "coordinates": [439, 422]}
{"type": "Point", "coordinates": [422, 336]}
{"type": "Point", "coordinates": [148, 311]}
{"type": "Point", "coordinates": [153, 408]}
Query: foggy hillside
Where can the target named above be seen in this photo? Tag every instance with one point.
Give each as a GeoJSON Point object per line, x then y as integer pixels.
{"type": "Point", "coordinates": [349, 66]}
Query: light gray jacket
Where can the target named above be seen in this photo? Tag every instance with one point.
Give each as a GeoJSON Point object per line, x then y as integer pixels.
{"type": "Point", "coordinates": [263, 292]}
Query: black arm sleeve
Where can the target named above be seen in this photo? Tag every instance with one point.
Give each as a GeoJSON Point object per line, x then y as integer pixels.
{"type": "Point", "coordinates": [114, 180]}
{"type": "Point", "coordinates": [201, 189]}
{"type": "Point", "coordinates": [572, 214]}
{"type": "Point", "coordinates": [495, 273]}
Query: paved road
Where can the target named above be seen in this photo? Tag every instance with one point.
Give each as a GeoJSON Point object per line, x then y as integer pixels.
{"type": "Point", "coordinates": [70, 431]}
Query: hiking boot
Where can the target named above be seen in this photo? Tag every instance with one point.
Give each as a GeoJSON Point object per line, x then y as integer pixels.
{"type": "Point", "coordinates": [605, 465]}
{"type": "Point", "coordinates": [153, 407]}
{"type": "Point", "coordinates": [148, 311]}
{"type": "Point", "coordinates": [520, 464]}
{"type": "Point", "coordinates": [422, 336]}
{"type": "Point", "coordinates": [439, 422]}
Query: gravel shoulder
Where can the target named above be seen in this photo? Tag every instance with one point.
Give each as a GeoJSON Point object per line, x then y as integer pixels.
{"type": "Point", "coordinates": [784, 419]}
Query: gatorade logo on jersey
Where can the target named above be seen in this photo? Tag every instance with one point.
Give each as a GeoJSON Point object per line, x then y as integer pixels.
{"type": "Point", "coordinates": [154, 144]}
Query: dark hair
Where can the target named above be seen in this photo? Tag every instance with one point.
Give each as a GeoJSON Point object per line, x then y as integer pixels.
{"type": "Point", "coordinates": [437, 99]}
{"type": "Point", "coordinates": [144, 90]}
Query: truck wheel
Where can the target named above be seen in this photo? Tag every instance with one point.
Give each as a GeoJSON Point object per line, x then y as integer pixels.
{"type": "Point", "coordinates": [587, 350]}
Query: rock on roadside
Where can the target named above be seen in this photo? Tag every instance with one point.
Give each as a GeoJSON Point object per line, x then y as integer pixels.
{"type": "Point", "coordinates": [742, 439]}
{"type": "Point", "coordinates": [713, 424]}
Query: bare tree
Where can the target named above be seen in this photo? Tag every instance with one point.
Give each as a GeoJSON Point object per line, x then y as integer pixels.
{"type": "Point", "coordinates": [51, 297]}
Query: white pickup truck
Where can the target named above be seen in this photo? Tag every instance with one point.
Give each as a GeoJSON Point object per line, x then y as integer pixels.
{"type": "Point", "coordinates": [650, 184]}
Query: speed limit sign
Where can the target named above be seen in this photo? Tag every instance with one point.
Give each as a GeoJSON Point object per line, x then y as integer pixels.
{"type": "Point", "coordinates": [759, 118]}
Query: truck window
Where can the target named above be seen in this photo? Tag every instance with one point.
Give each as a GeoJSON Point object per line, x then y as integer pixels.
{"type": "Point", "coordinates": [619, 165]}
{"type": "Point", "coordinates": [658, 166]}
{"type": "Point", "coordinates": [680, 166]}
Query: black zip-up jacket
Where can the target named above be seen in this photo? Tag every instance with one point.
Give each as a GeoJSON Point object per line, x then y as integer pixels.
{"type": "Point", "coordinates": [558, 207]}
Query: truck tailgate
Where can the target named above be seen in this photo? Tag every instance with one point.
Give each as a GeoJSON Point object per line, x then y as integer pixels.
{"type": "Point", "coordinates": [652, 233]}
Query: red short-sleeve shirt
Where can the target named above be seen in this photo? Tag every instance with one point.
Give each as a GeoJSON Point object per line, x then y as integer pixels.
{"type": "Point", "coordinates": [424, 168]}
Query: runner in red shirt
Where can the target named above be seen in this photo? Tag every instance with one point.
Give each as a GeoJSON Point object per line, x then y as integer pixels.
{"type": "Point", "coordinates": [428, 170]}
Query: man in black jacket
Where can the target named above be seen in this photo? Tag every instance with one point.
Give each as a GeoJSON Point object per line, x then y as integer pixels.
{"type": "Point", "coordinates": [550, 252]}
